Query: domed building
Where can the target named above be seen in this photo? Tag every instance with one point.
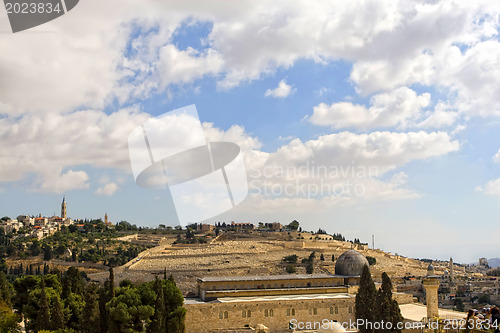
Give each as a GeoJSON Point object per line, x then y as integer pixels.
{"type": "Point", "coordinates": [350, 263]}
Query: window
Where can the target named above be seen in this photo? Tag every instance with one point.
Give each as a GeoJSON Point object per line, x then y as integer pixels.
{"type": "Point", "coordinates": [350, 308]}
{"type": "Point", "coordinates": [271, 313]}
{"type": "Point", "coordinates": [293, 312]}
{"type": "Point", "coordinates": [226, 314]}
{"type": "Point", "coordinates": [336, 310]}
{"type": "Point", "coordinates": [249, 313]}
{"type": "Point", "coordinates": [266, 313]}
{"type": "Point", "coordinates": [221, 315]}
{"type": "Point", "coordinates": [288, 311]}
{"type": "Point", "coordinates": [331, 309]}
{"type": "Point", "coordinates": [315, 311]}
{"type": "Point", "coordinates": [243, 314]}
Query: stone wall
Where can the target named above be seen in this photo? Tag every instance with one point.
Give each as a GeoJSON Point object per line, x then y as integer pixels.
{"type": "Point", "coordinates": [209, 317]}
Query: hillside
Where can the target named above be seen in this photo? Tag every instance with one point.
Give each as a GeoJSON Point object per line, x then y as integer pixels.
{"type": "Point", "coordinates": [252, 254]}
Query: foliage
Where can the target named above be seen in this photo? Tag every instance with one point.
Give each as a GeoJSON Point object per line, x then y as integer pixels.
{"type": "Point", "coordinates": [291, 259]}
{"type": "Point", "coordinates": [290, 268]}
{"type": "Point", "coordinates": [294, 225]}
{"type": "Point", "coordinates": [371, 260]}
{"type": "Point", "coordinates": [365, 300]}
{"type": "Point", "coordinates": [386, 308]}
{"type": "Point", "coordinates": [9, 321]}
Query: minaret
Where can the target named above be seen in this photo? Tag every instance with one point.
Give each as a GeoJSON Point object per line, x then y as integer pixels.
{"type": "Point", "coordinates": [106, 218]}
{"type": "Point", "coordinates": [431, 285]}
{"type": "Point", "coordinates": [63, 209]}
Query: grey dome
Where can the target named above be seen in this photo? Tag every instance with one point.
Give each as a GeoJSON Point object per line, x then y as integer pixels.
{"type": "Point", "coordinates": [350, 263]}
{"type": "Point", "coordinates": [430, 270]}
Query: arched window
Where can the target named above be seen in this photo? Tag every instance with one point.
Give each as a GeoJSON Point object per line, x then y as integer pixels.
{"type": "Point", "coordinates": [226, 315]}
{"type": "Point", "coordinates": [271, 313]}
{"type": "Point", "coordinates": [221, 315]}
{"type": "Point", "coordinates": [331, 309]}
{"type": "Point", "coordinates": [288, 312]}
{"type": "Point", "coordinates": [315, 311]}
{"type": "Point", "coordinates": [249, 313]}
{"type": "Point", "coordinates": [336, 310]}
{"type": "Point", "coordinates": [293, 312]}
{"type": "Point", "coordinates": [266, 313]}
{"type": "Point", "coordinates": [243, 314]}
{"type": "Point", "coordinates": [350, 308]}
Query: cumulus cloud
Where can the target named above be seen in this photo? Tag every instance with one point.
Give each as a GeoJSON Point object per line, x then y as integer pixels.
{"type": "Point", "coordinates": [281, 91]}
{"type": "Point", "coordinates": [68, 181]}
{"type": "Point", "coordinates": [107, 190]}
{"type": "Point", "coordinates": [46, 144]}
{"type": "Point", "coordinates": [398, 108]}
{"type": "Point", "coordinates": [491, 188]}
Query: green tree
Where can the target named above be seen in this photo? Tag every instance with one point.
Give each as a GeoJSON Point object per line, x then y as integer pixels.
{"type": "Point", "coordinates": [309, 267]}
{"type": "Point", "coordinates": [90, 318]}
{"type": "Point", "coordinates": [294, 225]}
{"type": "Point", "coordinates": [291, 259]}
{"type": "Point", "coordinates": [57, 315]}
{"type": "Point", "coordinates": [386, 308]}
{"type": "Point", "coordinates": [365, 300]}
{"type": "Point", "coordinates": [43, 315]}
{"type": "Point", "coordinates": [111, 283]}
{"type": "Point", "coordinates": [371, 260]}
{"type": "Point", "coordinates": [5, 289]}
{"type": "Point", "coordinates": [9, 321]}
{"type": "Point", "coordinates": [158, 323]}
{"type": "Point", "coordinates": [290, 268]}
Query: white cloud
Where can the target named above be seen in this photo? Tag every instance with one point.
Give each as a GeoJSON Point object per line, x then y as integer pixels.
{"type": "Point", "coordinates": [65, 182]}
{"type": "Point", "coordinates": [491, 188]}
{"type": "Point", "coordinates": [281, 91]}
{"type": "Point", "coordinates": [107, 190]}
{"type": "Point", "coordinates": [398, 108]}
{"type": "Point", "coordinates": [45, 144]}
{"type": "Point", "coordinates": [496, 158]}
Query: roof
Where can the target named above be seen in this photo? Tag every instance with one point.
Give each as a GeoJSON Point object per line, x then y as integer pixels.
{"type": "Point", "coordinates": [268, 277]}
{"type": "Point", "coordinates": [270, 298]}
{"type": "Point", "coordinates": [416, 311]}
{"type": "Point", "coordinates": [350, 263]}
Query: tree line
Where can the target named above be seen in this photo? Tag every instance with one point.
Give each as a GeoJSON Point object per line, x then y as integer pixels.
{"type": "Point", "coordinates": [66, 302]}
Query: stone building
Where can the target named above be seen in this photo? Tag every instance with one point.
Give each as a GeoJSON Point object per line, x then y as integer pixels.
{"type": "Point", "coordinates": [277, 301]}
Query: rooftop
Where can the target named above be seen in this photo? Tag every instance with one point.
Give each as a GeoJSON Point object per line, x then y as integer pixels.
{"type": "Point", "coordinates": [270, 298]}
{"type": "Point", "coordinates": [268, 277]}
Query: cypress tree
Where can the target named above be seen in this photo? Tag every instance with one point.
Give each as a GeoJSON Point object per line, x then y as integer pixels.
{"type": "Point", "coordinates": [90, 318]}
{"type": "Point", "coordinates": [365, 300]}
{"type": "Point", "coordinates": [111, 283]}
{"type": "Point", "coordinates": [43, 315]}
{"type": "Point", "coordinates": [57, 319]}
{"type": "Point", "coordinates": [5, 293]}
{"type": "Point", "coordinates": [158, 323]}
{"type": "Point", "coordinates": [387, 308]}
{"type": "Point", "coordinates": [103, 314]}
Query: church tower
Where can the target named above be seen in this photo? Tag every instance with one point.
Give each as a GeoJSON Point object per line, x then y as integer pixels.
{"type": "Point", "coordinates": [63, 209]}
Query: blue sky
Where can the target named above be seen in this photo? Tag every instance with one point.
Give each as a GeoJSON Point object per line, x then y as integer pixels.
{"type": "Point", "coordinates": [407, 88]}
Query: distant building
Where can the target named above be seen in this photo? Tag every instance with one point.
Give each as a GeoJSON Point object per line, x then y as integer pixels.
{"type": "Point", "coordinates": [274, 226]}
{"type": "Point", "coordinates": [483, 262]}
{"type": "Point", "coordinates": [234, 302]}
{"type": "Point", "coordinates": [245, 226]}
{"type": "Point", "coordinates": [63, 209]}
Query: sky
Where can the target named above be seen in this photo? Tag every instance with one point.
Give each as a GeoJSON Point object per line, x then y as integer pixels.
{"type": "Point", "coordinates": [362, 118]}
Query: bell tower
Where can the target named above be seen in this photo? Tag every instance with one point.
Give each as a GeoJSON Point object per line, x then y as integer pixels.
{"type": "Point", "coordinates": [63, 209]}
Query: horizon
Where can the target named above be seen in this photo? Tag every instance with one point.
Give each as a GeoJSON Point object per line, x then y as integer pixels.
{"type": "Point", "coordinates": [358, 119]}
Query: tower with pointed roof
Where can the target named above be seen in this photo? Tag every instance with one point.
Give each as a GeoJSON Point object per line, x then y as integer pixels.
{"type": "Point", "coordinates": [63, 209]}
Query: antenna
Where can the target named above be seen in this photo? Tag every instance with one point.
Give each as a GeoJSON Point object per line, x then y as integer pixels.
{"type": "Point", "coordinates": [373, 242]}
